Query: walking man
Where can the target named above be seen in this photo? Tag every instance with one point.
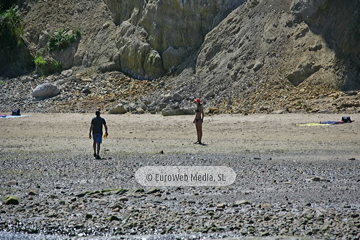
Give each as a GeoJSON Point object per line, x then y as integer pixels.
{"type": "Point", "coordinates": [96, 128]}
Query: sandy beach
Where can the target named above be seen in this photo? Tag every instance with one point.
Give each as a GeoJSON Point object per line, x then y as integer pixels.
{"type": "Point", "coordinates": [284, 171]}
{"type": "Point", "coordinates": [129, 133]}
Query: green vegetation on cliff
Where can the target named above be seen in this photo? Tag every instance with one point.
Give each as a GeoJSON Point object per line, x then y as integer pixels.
{"type": "Point", "coordinates": [61, 39]}
{"type": "Point", "coordinates": [46, 66]}
{"type": "Point", "coordinates": [12, 46]}
{"type": "Point", "coordinates": [10, 28]}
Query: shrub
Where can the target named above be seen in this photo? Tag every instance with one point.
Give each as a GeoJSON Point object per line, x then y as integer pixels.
{"type": "Point", "coordinates": [10, 28]}
{"type": "Point", "coordinates": [39, 61]}
{"type": "Point", "coordinates": [15, 58]}
{"type": "Point", "coordinates": [56, 66]}
{"type": "Point", "coordinates": [46, 67]}
{"type": "Point", "coordinates": [61, 39]}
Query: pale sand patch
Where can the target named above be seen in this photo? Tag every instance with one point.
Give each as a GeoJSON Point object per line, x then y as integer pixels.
{"type": "Point", "coordinates": [259, 134]}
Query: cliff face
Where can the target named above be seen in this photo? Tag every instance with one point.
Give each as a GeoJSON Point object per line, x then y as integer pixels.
{"type": "Point", "coordinates": [280, 40]}
{"type": "Point", "coordinates": [337, 23]}
{"type": "Point", "coordinates": [255, 50]}
{"type": "Point", "coordinates": [263, 42]}
{"type": "Point", "coordinates": [144, 39]}
{"type": "Point", "coordinates": [282, 55]}
{"type": "Point", "coordinates": [155, 37]}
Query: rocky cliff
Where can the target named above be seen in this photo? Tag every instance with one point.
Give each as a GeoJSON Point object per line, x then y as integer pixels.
{"type": "Point", "coordinates": [144, 39]}
{"type": "Point", "coordinates": [245, 56]}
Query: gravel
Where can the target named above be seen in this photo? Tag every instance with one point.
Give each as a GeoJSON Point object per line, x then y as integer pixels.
{"type": "Point", "coordinates": [77, 196]}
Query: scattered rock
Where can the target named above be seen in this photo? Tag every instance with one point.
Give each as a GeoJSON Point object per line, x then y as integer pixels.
{"type": "Point", "coordinates": [140, 110]}
{"type": "Point", "coordinates": [220, 206]}
{"type": "Point", "coordinates": [10, 200]}
{"type": "Point", "coordinates": [86, 90]}
{"type": "Point", "coordinates": [166, 97]}
{"type": "Point", "coordinates": [86, 80]}
{"type": "Point", "coordinates": [123, 199]}
{"type": "Point", "coordinates": [67, 73]}
{"type": "Point", "coordinates": [175, 112]}
{"type": "Point", "coordinates": [139, 190]}
{"type": "Point", "coordinates": [213, 110]}
{"type": "Point", "coordinates": [241, 202]}
{"type": "Point", "coordinates": [209, 94]}
{"type": "Point", "coordinates": [266, 205]}
{"type": "Point", "coordinates": [153, 190]}
{"type": "Point", "coordinates": [348, 104]}
{"type": "Point", "coordinates": [114, 218]}
{"type": "Point", "coordinates": [33, 193]}
{"type": "Point", "coordinates": [258, 65]}
{"type": "Point", "coordinates": [316, 47]}
{"type": "Point", "coordinates": [121, 191]}
{"type": "Point", "coordinates": [177, 97]}
{"type": "Point", "coordinates": [12, 183]}
{"type": "Point", "coordinates": [43, 39]}
{"type": "Point", "coordinates": [278, 112]}
{"type": "Point", "coordinates": [251, 229]}
{"type": "Point", "coordinates": [317, 179]}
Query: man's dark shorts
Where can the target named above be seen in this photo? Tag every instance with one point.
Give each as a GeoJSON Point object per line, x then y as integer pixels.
{"type": "Point", "coordinates": [97, 138]}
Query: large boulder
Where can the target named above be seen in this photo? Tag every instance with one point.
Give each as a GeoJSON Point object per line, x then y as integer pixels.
{"type": "Point", "coordinates": [118, 109]}
{"type": "Point", "coordinates": [45, 90]}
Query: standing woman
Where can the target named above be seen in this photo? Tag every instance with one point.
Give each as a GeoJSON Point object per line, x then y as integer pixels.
{"type": "Point", "coordinates": [199, 118]}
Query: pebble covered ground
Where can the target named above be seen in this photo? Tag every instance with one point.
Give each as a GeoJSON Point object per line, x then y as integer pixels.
{"type": "Point", "coordinates": [78, 196]}
{"type": "Point", "coordinates": [290, 185]}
